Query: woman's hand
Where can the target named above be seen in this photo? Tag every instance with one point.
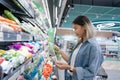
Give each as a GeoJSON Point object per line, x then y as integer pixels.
{"type": "Point", "coordinates": [61, 52]}
{"type": "Point", "coordinates": [62, 65]}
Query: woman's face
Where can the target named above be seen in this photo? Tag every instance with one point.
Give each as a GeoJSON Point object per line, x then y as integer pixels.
{"type": "Point", "coordinates": [79, 30]}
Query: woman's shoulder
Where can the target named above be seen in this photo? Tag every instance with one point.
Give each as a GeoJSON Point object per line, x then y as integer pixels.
{"type": "Point", "coordinates": [92, 42]}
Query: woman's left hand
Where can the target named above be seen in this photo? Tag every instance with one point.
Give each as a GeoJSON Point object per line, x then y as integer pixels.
{"type": "Point", "coordinates": [62, 65]}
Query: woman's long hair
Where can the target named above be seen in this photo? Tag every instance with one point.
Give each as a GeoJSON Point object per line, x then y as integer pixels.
{"type": "Point", "coordinates": [85, 22]}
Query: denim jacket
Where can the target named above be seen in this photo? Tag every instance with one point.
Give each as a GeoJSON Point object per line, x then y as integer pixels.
{"type": "Point", "coordinates": [88, 60]}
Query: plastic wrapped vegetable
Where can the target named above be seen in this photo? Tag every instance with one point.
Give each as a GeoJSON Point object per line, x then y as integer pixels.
{"type": "Point", "coordinates": [47, 70]}
{"type": "Point", "coordinates": [57, 52]}
{"type": "Point", "coordinates": [11, 16]}
{"type": "Point", "coordinates": [2, 52]}
{"type": "Point", "coordinates": [25, 52]}
{"type": "Point", "coordinates": [16, 46]}
{"type": "Point", "coordinates": [2, 59]}
{"type": "Point", "coordinates": [2, 19]}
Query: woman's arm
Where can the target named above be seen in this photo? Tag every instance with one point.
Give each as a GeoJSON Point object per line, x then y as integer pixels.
{"type": "Point", "coordinates": [64, 56]}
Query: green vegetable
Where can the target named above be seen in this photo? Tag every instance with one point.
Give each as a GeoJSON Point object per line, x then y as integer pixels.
{"type": "Point", "coordinates": [11, 16]}
{"type": "Point", "coordinates": [14, 54]}
{"type": "Point", "coordinates": [18, 4]}
{"type": "Point", "coordinates": [7, 57]}
{"type": "Point", "coordinates": [57, 52]}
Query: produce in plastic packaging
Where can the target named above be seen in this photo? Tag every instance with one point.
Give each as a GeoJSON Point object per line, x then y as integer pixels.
{"type": "Point", "coordinates": [47, 70]}
{"type": "Point", "coordinates": [19, 5]}
{"type": "Point", "coordinates": [5, 66]}
{"type": "Point", "coordinates": [11, 16]}
{"type": "Point", "coordinates": [16, 27]}
{"type": "Point", "coordinates": [57, 52]}
{"type": "Point", "coordinates": [5, 27]}
{"type": "Point", "coordinates": [15, 46]}
{"type": "Point", "coordinates": [2, 19]}
{"type": "Point", "coordinates": [2, 52]}
{"type": "Point", "coordinates": [25, 52]}
{"type": "Point", "coordinates": [2, 59]}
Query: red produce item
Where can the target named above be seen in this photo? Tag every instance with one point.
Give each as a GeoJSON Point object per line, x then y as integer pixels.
{"type": "Point", "coordinates": [2, 59]}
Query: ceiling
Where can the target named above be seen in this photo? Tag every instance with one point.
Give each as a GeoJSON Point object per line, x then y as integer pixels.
{"type": "Point", "coordinates": [105, 16]}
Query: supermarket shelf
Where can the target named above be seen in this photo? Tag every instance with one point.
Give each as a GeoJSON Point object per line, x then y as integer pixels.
{"type": "Point", "coordinates": [13, 75]}
{"type": "Point", "coordinates": [12, 7]}
{"type": "Point", "coordinates": [13, 36]}
{"type": "Point", "coordinates": [38, 38]}
{"type": "Point", "coordinates": [28, 11]}
{"type": "Point", "coordinates": [25, 4]}
{"type": "Point", "coordinates": [25, 37]}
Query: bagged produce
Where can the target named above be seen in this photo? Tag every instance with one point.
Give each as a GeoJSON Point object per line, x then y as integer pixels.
{"type": "Point", "coordinates": [11, 16]}
{"type": "Point", "coordinates": [57, 52]}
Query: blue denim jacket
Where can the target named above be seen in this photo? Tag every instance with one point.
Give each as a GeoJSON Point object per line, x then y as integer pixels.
{"type": "Point", "coordinates": [88, 60]}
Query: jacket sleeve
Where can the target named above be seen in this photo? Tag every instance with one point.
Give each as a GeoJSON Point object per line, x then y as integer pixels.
{"type": "Point", "coordinates": [95, 61]}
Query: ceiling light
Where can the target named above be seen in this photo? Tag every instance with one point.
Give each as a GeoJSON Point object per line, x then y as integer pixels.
{"type": "Point", "coordinates": [65, 21]}
{"type": "Point", "coordinates": [71, 6]}
{"type": "Point", "coordinates": [97, 16]}
{"type": "Point", "coordinates": [113, 17]}
{"type": "Point", "coordinates": [68, 6]}
{"type": "Point", "coordinates": [110, 24]}
{"type": "Point", "coordinates": [67, 15]}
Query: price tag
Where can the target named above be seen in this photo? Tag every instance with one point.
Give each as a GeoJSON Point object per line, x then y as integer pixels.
{"type": "Point", "coordinates": [14, 77]}
{"type": "Point", "coordinates": [9, 36]}
{"type": "Point", "coordinates": [18, 37]}
{"type": "Point", "coordinates": [31, 38]}
{"type": "Point", "coordinates": [22, 69]}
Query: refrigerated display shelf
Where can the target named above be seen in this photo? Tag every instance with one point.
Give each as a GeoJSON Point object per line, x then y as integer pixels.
{"type": "Point", "coordinates": [12, 7]}
{"type": "Point", "coordinates": [13, 36]}
{"type": "Point", "coordinates": [25, 4]}
{"type": "Point", "coordinates": [37, 37]}
{"type": "Point", "coordinates": [18, 71]}
{"type": "Point", "coordinates": [26, 10]}
{"type": "Point", "coordinates": [13, 75]}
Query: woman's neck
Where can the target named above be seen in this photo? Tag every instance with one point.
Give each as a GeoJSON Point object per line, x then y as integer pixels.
{"type": "Point", "coordinates": [84, 39]}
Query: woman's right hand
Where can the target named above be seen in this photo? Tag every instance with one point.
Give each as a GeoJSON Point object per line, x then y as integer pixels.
{"type": "Point", "coordinates": [61, 52]}
{"type": "Point", "coordinates": [62, 65]}
{"type": "Point", "coordinates": [55, 46]}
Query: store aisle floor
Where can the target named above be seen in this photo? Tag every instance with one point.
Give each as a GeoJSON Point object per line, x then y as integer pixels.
{"type": "Point", "coordinates": [112, 68]}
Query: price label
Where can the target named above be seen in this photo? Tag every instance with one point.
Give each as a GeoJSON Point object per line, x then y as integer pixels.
{"type": "Point", "coordinates": [14, 77]}
{"type": "Point", "coordinates": [18, 37]}
{"type": "Point", "coordinates": [31, 38]}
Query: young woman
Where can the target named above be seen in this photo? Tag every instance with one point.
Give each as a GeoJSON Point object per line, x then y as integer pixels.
{"type": "Point", "coordinates": [86, 58]}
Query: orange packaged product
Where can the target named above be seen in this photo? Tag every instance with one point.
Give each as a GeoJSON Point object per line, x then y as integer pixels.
{"type": "Point", "coordinates": [47, 70]}
{"type": "Point", "coordinates": [2, 19]}
{"type": "Point", "coordinates": [16, 27]}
